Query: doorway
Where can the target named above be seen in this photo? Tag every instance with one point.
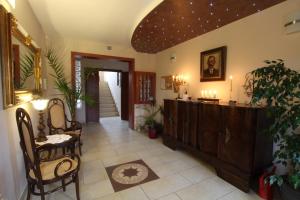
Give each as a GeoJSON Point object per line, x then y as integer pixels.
{"type": "Point", "coordinates": [92, 85]}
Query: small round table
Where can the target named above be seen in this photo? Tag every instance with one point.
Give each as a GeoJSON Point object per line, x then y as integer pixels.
{"type": "Point", "coordinates": [56, 141]}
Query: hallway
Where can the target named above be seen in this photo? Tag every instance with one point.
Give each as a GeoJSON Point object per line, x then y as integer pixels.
{"type": "Point", "coordinates": [182, 177]}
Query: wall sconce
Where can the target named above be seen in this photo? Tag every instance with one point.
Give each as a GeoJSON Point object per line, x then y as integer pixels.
{"type": "Point", "coordinates": [40, 105]}
{"type": "Point", "coordinates": [178, 80]}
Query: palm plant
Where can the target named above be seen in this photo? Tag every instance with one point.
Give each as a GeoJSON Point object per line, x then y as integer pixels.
{"type": "Point", "coordinates": [71, 94]}
{"type": "Point", "coordinates": [279, 88]}
{"type": "Point", "coordinates": [27, 68]}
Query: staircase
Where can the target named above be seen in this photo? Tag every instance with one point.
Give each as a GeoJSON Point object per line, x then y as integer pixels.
{"type": "Point", "coordinates": [107, 104]}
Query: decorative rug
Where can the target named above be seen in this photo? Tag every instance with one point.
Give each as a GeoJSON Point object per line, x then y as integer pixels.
{"type": "Point", "coordinates": [127, 175]}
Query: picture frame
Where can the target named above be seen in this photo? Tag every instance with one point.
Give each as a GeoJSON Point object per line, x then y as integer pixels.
{"type": "Point", "coordinates": [166, 82]}
{"type": "Point", "coordinates": [213, 64]}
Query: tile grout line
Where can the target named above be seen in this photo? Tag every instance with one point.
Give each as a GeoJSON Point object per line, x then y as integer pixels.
{"type": "Point", "coordinates": [140, 186]}
{"type": "Point", "coordinates": [226, 194]}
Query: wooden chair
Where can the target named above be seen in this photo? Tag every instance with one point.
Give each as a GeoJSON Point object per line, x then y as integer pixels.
{"type": "Point", "coordinates": [58, 121]}
{"type": "Point", "coordinates": [40, 173]}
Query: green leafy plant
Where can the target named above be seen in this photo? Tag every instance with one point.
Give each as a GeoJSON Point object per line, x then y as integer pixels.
{"type": "Point", "coordinates": [27, 68]}
{"type": "Point", "coordinates": [71, 94]}
{"type": "Point", "coordinates": [149, 119]}
{"type": "Point", "coordinates": [279, 88]}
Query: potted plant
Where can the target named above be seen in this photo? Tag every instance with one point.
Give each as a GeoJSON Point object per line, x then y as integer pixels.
{"type": "Point", "coordinates": [71, 94]}
{"type": "Point", "coordinates": [279, 88]}
{"type": "Point", "coordinates": [150, 124]}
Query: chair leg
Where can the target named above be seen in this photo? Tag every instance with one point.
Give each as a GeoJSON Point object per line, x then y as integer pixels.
{"type": "Point", "coordinates": [42, 193]}
{"type": "Point", "coordinates": [79, 145]}
{"type": "Point", "coordinates": [63, 184]}
{"type": "Point", "coordinates": [29, 191]}
{"type": "Point", "coordinates": [77, 187]}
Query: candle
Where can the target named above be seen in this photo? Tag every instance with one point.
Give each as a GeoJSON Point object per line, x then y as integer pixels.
{"type": "Point", "coordinates": [230, 77]}
{"type": "Point", "coordinates": [215, 94]}
{"type": "Point", "coordinates": [202, 93]}
{"type": "Point", "coordinates": [210, 93]}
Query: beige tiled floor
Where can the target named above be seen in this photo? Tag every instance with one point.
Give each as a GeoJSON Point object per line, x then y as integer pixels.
{"type": "Point", "coordinates": [182, 177]}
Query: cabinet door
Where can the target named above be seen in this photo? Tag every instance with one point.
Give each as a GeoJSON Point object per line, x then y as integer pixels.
{"type": "Point", "coordinates": [193, 126]}
{"type": "Point", "coordinates": [236, 142]}
{"type": "Point", "coordinates": [182, 120]}
{"type": "Point", "coordinates": [170, 118]}
{"type": "Point", "coordinates": [209, 127]}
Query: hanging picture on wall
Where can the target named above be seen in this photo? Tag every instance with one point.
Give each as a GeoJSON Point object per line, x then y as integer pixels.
{"type": "Point", "coordinates": [166, 83]}
{"type": "Point", "coordinates": [213, 64]}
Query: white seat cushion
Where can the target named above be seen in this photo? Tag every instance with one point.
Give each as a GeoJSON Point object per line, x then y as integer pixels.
{"type": "Point", "coordinates": [48, 168]}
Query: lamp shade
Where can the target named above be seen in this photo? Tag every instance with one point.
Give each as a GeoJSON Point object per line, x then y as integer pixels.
{"type": "Point", "coordinates": [40, 104]}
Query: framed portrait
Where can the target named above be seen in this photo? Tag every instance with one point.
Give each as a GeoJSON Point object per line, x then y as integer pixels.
{"type": "Point", "coordinates": [213, 64]}
{"type": "Point", "coordinates": [166, 83]}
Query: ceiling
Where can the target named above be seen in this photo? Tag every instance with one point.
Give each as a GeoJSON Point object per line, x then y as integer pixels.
{"type": "Point", "coordinates": [175, 21]}
{"type": "Point", "coordinates": [108, 21]}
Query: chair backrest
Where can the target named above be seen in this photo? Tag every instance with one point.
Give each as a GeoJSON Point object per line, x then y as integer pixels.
{"type": "Point", "coordinates": [56, 114]}
{"type": "Point", "coordinates": [31, 157]}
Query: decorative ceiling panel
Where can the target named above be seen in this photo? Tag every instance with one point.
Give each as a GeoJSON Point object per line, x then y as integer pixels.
{"type": "Point", "coordinates": [176, 21]}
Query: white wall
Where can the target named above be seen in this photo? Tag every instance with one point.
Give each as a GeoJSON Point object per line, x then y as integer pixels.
{"type": "Point", "coordinates": [111, 79]}
{"type": "Point", "coordinates": [249, 42]}
{"type": "Point", "coordinates": [12, 171]}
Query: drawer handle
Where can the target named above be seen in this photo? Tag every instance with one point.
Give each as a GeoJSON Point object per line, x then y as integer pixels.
{"type": "Point", "coordinates": [227, 136]}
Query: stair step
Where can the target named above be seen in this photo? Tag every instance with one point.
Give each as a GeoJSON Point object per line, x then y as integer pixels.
{"type": "Point", "coordinates": [107, 103]}
{"type": "Point", "coordinates": [107, 98]}
{"type": "Point", "coordinates": [109, 114]}
{"type": "Point", "coordinates": [104, 110]}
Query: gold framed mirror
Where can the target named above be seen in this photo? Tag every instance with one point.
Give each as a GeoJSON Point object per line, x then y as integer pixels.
{"type": "Point", "coordinates": [20, 62]}
{"type": "Point", "coordinates": [26, 62]}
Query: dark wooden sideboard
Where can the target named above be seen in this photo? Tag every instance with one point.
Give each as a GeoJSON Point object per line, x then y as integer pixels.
{"type": "Point", "coordinates": [230, 138]}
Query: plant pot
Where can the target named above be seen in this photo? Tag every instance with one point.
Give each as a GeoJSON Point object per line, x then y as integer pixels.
{"type": "Point", "coordinates": [288, 193]}
{"type": "Point", "coordinates": [152, 133]}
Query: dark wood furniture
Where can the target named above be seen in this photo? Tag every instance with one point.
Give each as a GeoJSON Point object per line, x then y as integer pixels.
{"type": "Point", "coordinates": [228, 137]}
{"type": "Point", "coordinates": [44, 172]}
{"type": "Point", "coordinates": [58, 121]}
{"type": "Point", "coordinates": [145, 87]}
{"type": "Point", "coordinates": [69, 144]}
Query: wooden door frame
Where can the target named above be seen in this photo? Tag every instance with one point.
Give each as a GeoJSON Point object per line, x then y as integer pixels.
{"type": "Point", "coordinates": [131, 66]}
